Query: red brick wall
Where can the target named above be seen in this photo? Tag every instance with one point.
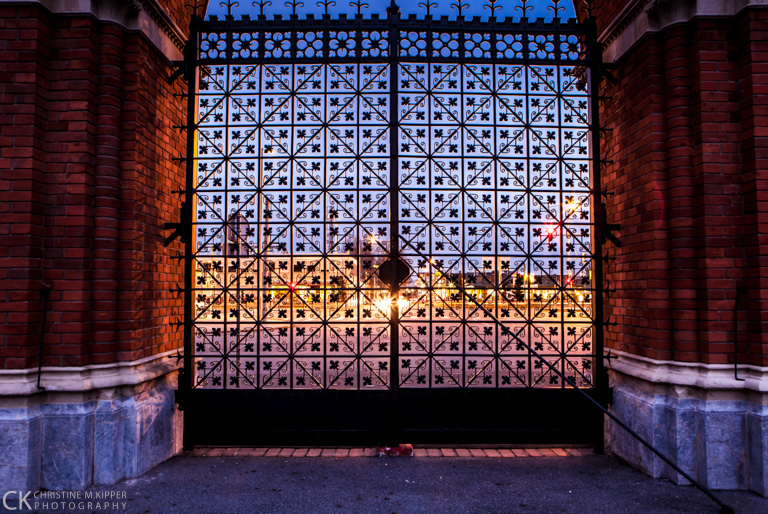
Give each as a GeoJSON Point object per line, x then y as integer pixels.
{"type": "Point", "coordinates": [86, 142]}
{"type": "Point", "coordinates": [689, 150]}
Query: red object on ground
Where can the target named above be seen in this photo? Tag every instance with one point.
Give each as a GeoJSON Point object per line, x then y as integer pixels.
{"type": "Point", "coordinates": [404, 450]}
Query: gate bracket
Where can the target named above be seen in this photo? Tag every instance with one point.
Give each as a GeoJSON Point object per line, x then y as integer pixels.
{"type": "Point", "coordinates": [178, 356]}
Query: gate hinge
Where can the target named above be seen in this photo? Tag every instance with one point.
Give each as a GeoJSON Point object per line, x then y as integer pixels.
{"type": "Point", "coordinates": [180, 395]}
{"type": "Point", "coordinates": [610, 76]}
{"type": "Point", "coordinates": [178, 323]}
{"type": "Point", "coordinates": [608, 396]}
{"type": "Point", "coordinates": [609, 228]}
{"type": "Point", "coordinates": [180, 71]}
{"type": "Point", "coordinates": [605, 72]}
{"type": "Point", "coordinates": [177, 227]}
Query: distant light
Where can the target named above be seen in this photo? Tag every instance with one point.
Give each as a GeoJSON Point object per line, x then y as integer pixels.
{"type": "Point", "coordinates": [384, 306]}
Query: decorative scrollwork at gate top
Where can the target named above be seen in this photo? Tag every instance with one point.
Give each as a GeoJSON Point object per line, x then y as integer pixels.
{"type": "Point", "coordinates": [325, 148]}
{"type": "Point", "coordinates": [285, 37]}
{"type": "Point", "coordinates": [502, 10]}
{"type": "Point", "coordinates": [438, 41]}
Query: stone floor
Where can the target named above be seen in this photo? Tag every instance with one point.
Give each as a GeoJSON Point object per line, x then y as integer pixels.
{"type": "Point", "coordinates": [341, 480]}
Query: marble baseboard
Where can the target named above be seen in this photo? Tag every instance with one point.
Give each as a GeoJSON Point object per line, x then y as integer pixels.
{"type": "Point", "coordinates": [72, 445]}
{"type": "Point", "coordinates": [722, 443]}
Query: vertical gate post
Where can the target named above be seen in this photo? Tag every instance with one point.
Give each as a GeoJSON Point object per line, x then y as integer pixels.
{"type": "Point", "coordinates": [595, 57]}
{"type": "Point", "coordinates": [185, 374]}
{"type": "Point", "coordinates": [394, 249]}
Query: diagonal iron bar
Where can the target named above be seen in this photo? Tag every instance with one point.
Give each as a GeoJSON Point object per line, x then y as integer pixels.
{"type": "Point", "coordinates": [724, 508]}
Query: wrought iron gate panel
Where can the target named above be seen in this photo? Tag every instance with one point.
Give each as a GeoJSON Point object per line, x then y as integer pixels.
{"type": "Point", "coordinates": [494, 196]}
{"type": "Point", "coordinates": [292, 220]}
{"type": "Point", "coordinates": [324, 153]}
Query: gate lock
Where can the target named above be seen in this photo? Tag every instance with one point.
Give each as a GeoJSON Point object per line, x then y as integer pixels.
{"type": "Point", "coordinates": [393, 272]}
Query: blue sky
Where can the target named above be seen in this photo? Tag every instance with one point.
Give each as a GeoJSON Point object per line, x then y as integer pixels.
{"type": "Point", "coordinates": [475, 8]}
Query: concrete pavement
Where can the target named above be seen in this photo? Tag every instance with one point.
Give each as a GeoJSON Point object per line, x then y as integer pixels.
{"type": "Point", "coordinates": [535, 485]}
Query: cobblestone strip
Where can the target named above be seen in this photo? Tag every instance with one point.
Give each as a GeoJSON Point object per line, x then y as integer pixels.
{"type": "Point", "coordinates": [284, 452]}
{"type": "Point", "coordinates": [337, 453]}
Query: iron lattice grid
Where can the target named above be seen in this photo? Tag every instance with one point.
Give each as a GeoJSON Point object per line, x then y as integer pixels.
{"type": "Point", "coordinates": [302, 176]}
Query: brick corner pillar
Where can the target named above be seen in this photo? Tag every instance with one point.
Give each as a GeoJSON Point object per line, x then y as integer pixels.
{"type": "Point", "coordinates": [689, 145]}
{"type": "Point", "coordinates": [87, 138]}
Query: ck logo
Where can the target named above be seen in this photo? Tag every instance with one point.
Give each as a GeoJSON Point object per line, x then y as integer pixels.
{"type": "Point", "coordinates": [22, 500]}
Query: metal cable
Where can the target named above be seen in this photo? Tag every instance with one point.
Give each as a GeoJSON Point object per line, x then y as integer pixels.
{"type": "Point", "coordinates": [724, 508]}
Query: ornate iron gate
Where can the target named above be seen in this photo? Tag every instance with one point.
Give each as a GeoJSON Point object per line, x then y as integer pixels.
{"type": "Point", "coordinates": [390, 231]}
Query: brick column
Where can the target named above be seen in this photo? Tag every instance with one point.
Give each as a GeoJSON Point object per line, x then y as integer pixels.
{"type": "Point", "coordinates": [87, 142]}
{"type": "Point", "coordinates": [689, 152]}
